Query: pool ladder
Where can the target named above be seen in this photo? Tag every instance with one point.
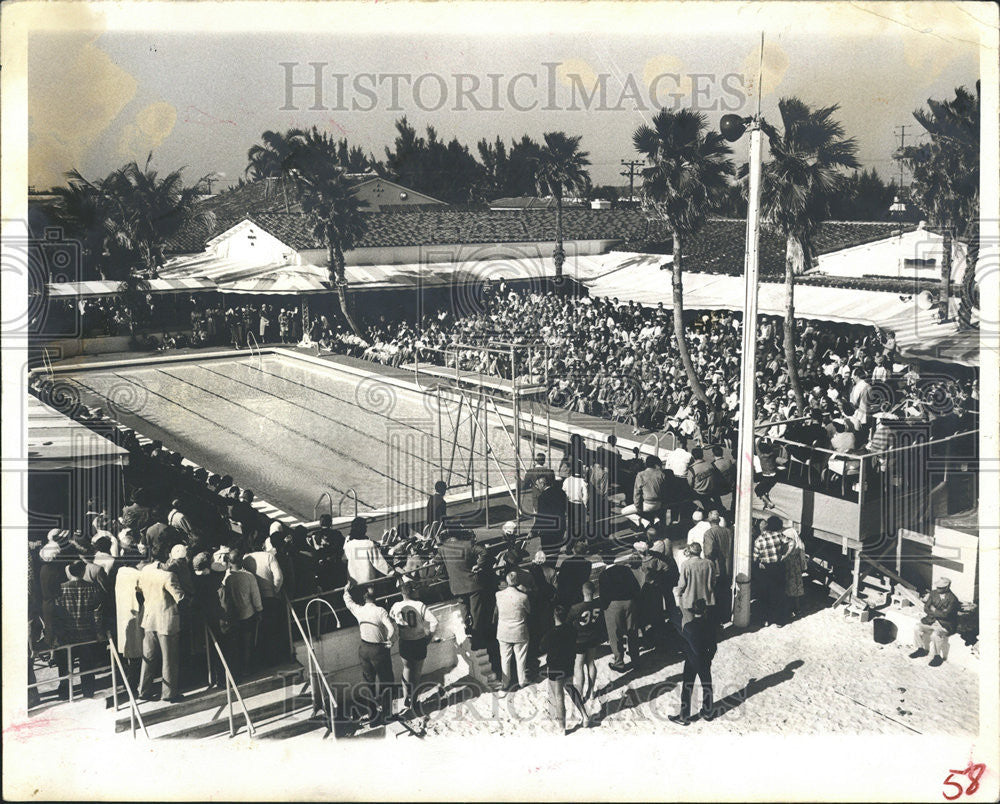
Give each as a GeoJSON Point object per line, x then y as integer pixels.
{"type": "Point", "coordinates": [319, 502]}
{"type": "Point", "coordinates": [352, 493]}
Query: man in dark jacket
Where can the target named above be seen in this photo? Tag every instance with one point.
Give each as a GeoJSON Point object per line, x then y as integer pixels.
{"type": "Point", "coordinates": [468, 580]}
{"type": "Point", "coordinates": [699, 644]}
{"type": "Point", "coordinates": [550, 518]}
{"type": "Point", "coordinates": [529, 483]}
{"type": "Point", "coordinates": [940, 621]}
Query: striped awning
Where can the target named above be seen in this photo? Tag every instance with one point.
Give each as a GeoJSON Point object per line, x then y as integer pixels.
{"type": "Point", "coordinates": [282, 281]}
{"type": "Point", "coordinates": [83, 290]}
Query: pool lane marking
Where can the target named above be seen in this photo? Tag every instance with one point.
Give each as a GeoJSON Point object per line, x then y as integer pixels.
{"type": "Point", "coordinates": [463, 450]}
{"type": "Point", "coordinates": [214, 423]}
{"type": "Point", "coordinates": [430, 461]}
{"type": "Point", "coordinates": [299, 433]}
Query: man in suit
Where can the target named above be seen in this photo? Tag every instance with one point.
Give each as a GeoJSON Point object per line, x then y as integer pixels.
{"type": "Point", "coordinates": [697, 582]}
{"type": "Point", "coordinates": [699, 644]}
{"type": "Point", "coordinates": [462, 559]}
{"type": "Point", "coordinates": [529, 483]}
{"type": "Point", "coordinates": [550, 517]}
{"type": "Point", "coordinates": [719, 550]}
{"type": "Point", "coordinates": [161, 622]}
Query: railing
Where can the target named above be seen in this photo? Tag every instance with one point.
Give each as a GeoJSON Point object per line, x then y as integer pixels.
{"type": "Point", "coordinates": [134, 713]}
{"type": "Point", "coordinates": [231, 688]}
{"type": "Point", "coordinates": [656, 443]}
{"type": "Point", "coordinates": [344, 496]}
{"type": "Point", "coordinates": [319, 502]}
{"type": "Point", "coordinates": [70, 674]}
{"type": "Point", "coordinates": [47, 363]}
{"type": "Point", "coordinates": [321, 693]}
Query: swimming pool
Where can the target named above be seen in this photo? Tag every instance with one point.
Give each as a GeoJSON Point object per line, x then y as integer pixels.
{"type": "Point", "coordinates": [291, 429]}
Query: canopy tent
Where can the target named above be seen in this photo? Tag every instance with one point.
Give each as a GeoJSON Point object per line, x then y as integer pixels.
{"type": "Point", "coordinates": [85, 290]}
{"type": "Point", "coordinates": [638, 277]}
{"type": "Point", "coordinates": [56, 442]}
{"type": "Point", "coordinates": [626, 275]}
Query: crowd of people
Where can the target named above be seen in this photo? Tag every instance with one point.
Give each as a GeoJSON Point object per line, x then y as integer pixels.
{"type": "Point", "coordinates": [620, 361]}
{"type": "Point", "coordinates": [190, 560]}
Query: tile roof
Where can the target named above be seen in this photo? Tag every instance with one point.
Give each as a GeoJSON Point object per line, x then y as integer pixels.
{"type": "Point", "coordinates": [719, 247]}
{"type": "Point", "coordinates": [434, 227]}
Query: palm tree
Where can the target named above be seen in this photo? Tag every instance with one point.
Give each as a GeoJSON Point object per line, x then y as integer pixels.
{"type": "Point", "coordinates": [561, 167]}
{"type": "Point", "coordinates": [275, 157]}
{"type": "Point", "coordinates": [946, 171]}
{"type": "Point", "coordinates": [332, 206]}
{"type": "Point", "coordinates": [798, 185]}
{"type": "Point", "coordinates": [687, 175]}
{"type": "Point", "coordinates": [135, 213]}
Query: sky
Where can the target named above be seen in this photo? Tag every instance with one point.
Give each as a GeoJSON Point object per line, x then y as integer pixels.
{"type": "Point", "coordinates": [105, 92]}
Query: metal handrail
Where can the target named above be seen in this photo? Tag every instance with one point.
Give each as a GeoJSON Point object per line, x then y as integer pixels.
{"type": "Point", "coordinates": [47, 363]}
{"type": "Point", "coordinates": [133, 705]}
{"type": "Point", "coordinates": [656, 443]}
{"type": "Point", "coordinates": [70, 673]}
{"type": "Point", "coordinates": [329, 504]}
{"type": "Point", "coordinates": [315, 669]}
{"type": "Point", "coordinates": [231, 682]}
{"type": "Point", "coordinates": [329, 605]}
{"type": "Point", "coordinates": [340, 504]}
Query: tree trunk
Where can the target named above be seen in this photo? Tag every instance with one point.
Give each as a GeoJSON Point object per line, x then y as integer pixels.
{"type": "Point", "coordinates": [676, 275]}
{"type": "Point", "coordinates": [794, 264]}
{"type": "Point", "coordinates": [340, 282]}
{"type": "Point", "coordinates": [559, 254]}
{"type": "Point", "coordinates": [945, 272]}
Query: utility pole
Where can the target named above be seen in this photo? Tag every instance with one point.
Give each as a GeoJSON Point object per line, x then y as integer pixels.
{"type": "Point", "coordinates": [632, 165]}
{"type": "Point", "coordinates": [899, 157]}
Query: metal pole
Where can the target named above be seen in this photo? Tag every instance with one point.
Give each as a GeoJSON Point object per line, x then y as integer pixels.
{"type": "Point", "coordinates": [437, 388]}
{"type": "Point", "coordinates": [69, 670]}
{"type": "Point", "coordinates": [114, 679]}
{"type": "Point", "coordinates": [517, 450]}
{"type": "Point", "coordinates": [486, 453]}
{"type": "Point", "coordinates": [229, 701]}
{"type": "Point", "coordinates": [744, 464]}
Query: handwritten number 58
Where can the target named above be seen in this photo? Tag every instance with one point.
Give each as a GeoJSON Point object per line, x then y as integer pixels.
{"type": "Point", "coordinates": [974, 772]}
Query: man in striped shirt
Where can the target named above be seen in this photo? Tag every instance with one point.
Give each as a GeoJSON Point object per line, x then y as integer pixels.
{"type": "Point", "coordinates": [376, 630]}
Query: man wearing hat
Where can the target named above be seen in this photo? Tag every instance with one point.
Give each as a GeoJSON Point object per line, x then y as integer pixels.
{"type": "Point", "coordinates": [697, 582]}
{"type": "Point", "coordinates": [939, 622]}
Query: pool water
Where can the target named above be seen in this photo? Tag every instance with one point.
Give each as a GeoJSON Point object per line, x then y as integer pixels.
{"type": "Point", "coordinates": [291, 430]}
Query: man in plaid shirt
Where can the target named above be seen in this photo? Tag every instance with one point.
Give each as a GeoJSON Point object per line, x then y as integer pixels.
{"type": "Point", "coordinates": [768, 551]}
{"type": "Point", "coordinates": [80, 618]}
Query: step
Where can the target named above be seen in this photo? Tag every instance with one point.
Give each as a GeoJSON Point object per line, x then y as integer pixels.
{"type": "Point", "coordinates": [297, 725]}
{"type": "Point", "coordinates": [154, 712]}
{"type": "Point", "coordinates": [265, 708]}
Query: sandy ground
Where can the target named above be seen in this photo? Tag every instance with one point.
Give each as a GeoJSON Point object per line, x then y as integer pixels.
{"type": "Point", "coordinates": [821, 674]}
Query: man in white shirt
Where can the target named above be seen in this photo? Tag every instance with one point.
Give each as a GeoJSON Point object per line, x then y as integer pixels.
{"type": "Point", "coordinates": [861, 398]}
{"type": "Point", "coordinates": [696, 535]}
{"type": "Point", "coordinates": [376, 630]}
{"type": "Point", "coordinates": [677, 460]}
{"type": "Point", "coordinates": [512, 610]}
{"type": "Point", "coordinates": [365, 562]}
{"type": "Point", "coordinates": [416, 624]}
{"type": "Point", "coordinates": [264, 565]}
